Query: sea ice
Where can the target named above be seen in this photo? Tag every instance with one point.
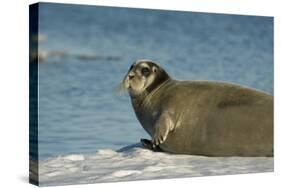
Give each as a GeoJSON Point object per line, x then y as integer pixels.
{"type": "Point", "coordinates": [136, 163]}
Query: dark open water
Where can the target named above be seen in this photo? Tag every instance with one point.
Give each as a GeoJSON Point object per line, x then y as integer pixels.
{"type": "Point", "coordinates": [90, 49]}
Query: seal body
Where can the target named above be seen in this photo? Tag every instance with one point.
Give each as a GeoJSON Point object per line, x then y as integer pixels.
{"type": "Point", "coordinates": [206, 118]}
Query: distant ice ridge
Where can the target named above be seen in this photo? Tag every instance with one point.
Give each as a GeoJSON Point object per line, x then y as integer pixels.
{"type": "Point", "coordinates": [136, 163]}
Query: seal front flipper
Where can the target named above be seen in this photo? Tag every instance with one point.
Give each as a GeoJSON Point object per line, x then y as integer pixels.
{"type": "Point", "coordinates": [148, 145]}
{"type": "Point", "coordinates": [163, 126]}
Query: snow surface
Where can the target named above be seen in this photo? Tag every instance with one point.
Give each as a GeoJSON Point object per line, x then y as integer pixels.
{"type": "Point", "coordinates": [136, 163]}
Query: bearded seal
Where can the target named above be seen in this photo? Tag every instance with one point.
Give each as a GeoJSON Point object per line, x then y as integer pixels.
{"type": "Point", "coordinates": [208, 118]}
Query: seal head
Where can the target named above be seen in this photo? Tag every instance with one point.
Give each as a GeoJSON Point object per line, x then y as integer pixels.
{"type": "Point", "coordinates": [143, 77]}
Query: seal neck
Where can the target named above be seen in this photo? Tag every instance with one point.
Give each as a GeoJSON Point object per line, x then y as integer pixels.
{"type": "Point", "coordinates": [139, 100]}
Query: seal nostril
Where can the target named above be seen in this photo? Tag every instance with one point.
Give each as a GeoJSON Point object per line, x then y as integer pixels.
{"type": "Point", "coordinates": [131, 76]}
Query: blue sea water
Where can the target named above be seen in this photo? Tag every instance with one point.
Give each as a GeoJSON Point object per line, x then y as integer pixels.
{"type": "Point", "coordinates": [79, 108]}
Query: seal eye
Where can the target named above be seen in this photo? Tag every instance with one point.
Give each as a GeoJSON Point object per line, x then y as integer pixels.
{"type": "Point", "coordinates": [145, 71]}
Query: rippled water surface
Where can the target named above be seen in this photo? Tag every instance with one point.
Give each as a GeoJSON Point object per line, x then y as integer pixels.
{"type": "Point", "coordinates": [88, 50]}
